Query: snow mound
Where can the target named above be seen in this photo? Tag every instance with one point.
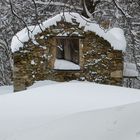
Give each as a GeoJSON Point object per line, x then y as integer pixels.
{"type": "Point", "coordinates": [77, 111]}
{"type": "Point", "coordinates": [118, 123]}
{"type": "Point", "coordinates": [6, 89]}
{"type": "Point", "coordinates": [130, 70]}
{"type": "Point", "coordinates": [114, 36]}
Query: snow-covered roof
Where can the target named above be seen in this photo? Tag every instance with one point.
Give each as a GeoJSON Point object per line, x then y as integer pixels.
{"type": "Point", "coordinates": [115, 35]}
{"type": "Point", "coordinates": [130, 70]}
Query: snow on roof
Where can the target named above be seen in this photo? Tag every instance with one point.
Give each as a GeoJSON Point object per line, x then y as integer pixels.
{"type": "Point", "coordinates": [114, 36]}
{"type": "Point", "coordinates": [130, 70]}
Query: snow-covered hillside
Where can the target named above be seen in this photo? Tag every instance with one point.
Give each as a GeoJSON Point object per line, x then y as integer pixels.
{"type": "Point", "coordinates": [71, 111]}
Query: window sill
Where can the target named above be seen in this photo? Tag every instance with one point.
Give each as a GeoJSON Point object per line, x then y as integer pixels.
{"type": "Point", "coordinates": [67, 70]}
{"type": "Point", "coordinates": [64, 65]}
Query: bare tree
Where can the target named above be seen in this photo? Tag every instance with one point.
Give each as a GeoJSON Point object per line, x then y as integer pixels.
{"type": "Point", "coordinates": [125, 14]}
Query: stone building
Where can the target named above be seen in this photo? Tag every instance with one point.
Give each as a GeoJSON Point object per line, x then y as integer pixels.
{"type": "Point", "coordinates": [67, 47]}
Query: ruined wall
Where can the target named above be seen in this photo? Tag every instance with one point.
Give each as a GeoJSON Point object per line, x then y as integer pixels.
{"type": "Point", "coordinates": [102, 64]}
{"type": "Point", "coordinates": [98, 61]}
{"type": "Point", "coordinates": [32, 63]}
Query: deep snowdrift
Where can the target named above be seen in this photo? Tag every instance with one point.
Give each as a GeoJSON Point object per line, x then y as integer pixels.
{"type": "Point", "coordinates": [71, 111]}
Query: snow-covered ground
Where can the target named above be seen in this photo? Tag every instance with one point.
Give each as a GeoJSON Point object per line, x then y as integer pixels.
{"type": "Point", "coordinates": [71, 111]}
{"type": "Point", "coordinates": [6, 89]}
{"type": "Point", "coordinates": [9, 89]}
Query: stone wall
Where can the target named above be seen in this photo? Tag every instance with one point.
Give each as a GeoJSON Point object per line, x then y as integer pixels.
{"type": "Point", "coordinates": [98, 61]}
{"type": "Point", "coordinates": [102, 64]}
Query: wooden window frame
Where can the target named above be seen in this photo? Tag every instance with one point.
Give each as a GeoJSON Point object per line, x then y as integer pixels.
{"type": "Point", "coordinates": [69, 38]}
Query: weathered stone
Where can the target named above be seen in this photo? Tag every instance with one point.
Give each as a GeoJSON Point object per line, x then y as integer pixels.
{"type": "Point", "coordinates": [97, 60]}
{"type": "Point", "coordinates": [117, 74]}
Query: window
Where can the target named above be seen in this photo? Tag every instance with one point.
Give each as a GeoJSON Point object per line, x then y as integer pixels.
{"type": "Point", "coordinates": [68, 49]}
{"type": "Point", "coordinates": [67, 54]}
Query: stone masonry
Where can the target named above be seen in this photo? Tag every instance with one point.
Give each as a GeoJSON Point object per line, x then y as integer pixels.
{"type": "Point", "coordinates": [98, 61]}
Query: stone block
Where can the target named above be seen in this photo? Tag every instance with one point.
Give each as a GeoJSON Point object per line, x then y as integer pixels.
{"type": "Point", "coordinates": [117, 74]}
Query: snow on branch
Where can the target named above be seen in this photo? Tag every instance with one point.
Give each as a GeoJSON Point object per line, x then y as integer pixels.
{"type": "Point", "coordinates": [121, 10]}
{"type": "Point", "coordinates": [87, 11]}
{"type": "Point", "coordinates": [130, 28]}
{"type": "Point", "coordinates": [57, 4]}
